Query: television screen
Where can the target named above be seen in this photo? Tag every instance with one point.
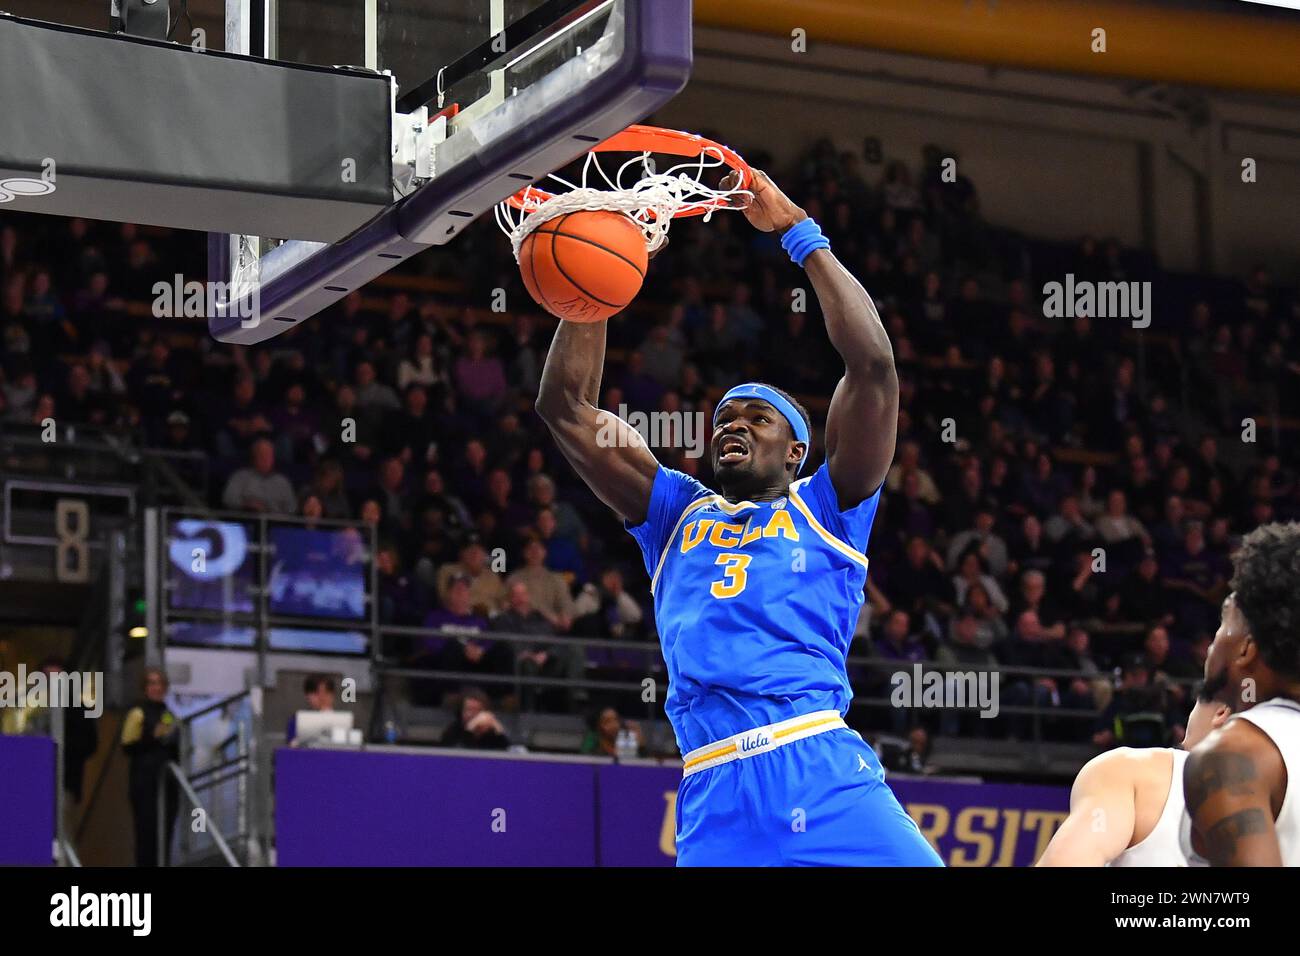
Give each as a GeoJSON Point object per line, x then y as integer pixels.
{"type": "Point", "coordinates": [210, 566]}
{"type": "Point", "coordinates": [318, 573]}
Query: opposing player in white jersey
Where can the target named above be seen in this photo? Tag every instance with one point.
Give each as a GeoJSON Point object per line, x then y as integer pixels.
{"type": "Point", "coordinates": [1240, 781]}
{"type": "Point", "coordinates": [1126, 805]}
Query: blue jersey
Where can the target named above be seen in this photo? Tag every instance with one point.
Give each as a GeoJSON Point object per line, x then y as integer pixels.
{"type": "Point", "coordinates": [755, 602]}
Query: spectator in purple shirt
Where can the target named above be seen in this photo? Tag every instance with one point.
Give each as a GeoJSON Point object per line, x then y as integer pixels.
{"type": "Point", "coordinates": [457, 644]}
{"type": "Point", "coordinates": [640, 390]}
{"type": "Point", "coordinates": [480, 379]}
{"type": "Point", "coordinates": [454, 616]}
{"type": "Point", "coordinates": [898, 644]}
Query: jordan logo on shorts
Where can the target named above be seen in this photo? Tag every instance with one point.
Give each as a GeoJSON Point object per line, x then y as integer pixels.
{"type": "Point", "coordinates": [862, 764]}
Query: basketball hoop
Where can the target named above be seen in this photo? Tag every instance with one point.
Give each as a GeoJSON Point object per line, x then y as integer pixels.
{"type": "Point", "coordinates": [652, 202]}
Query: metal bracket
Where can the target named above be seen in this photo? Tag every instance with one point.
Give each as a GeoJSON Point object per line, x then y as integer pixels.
{"type": "Point", "coordinates": [415, 149]}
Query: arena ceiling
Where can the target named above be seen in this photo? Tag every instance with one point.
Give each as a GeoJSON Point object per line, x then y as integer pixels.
{"type": "Point", "coordinates": [1228, 44]}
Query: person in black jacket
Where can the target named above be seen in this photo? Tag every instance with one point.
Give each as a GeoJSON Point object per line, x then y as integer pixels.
{"type": "Point", "coordinates": [151, 741]}
{"type": "Point", "coordinates": [476, 727]}
{"type": "Point", "coordinates": [80, 741]}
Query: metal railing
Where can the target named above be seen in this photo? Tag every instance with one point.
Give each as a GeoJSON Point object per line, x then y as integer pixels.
{"type": "Point", "coordinates": [1035, 715]}
{"type": "Point", "coordinates": [88, 453]}
{"type": "Point", "coordinates": [397, 676]}
{"type": "Point", "coordinates": [389, 667]}
{"type": "Point", "coordinates": [175, 772]}
{"type": "Point", "coordinates": [65, 853]}
{"type": "Point", "coordinates": [230, 792]}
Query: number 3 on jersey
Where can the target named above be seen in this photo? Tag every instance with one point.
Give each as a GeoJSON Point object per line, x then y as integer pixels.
{"type": "Point", "coordinates": [733, 575]}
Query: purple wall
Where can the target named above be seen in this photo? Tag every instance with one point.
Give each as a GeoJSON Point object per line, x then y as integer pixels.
{"type": "Point", "coordinates": [348, 808]}
{"type": "Point", "coordinates": [427, 809]}
{"type": "Point", "coordinates": [26, 801]}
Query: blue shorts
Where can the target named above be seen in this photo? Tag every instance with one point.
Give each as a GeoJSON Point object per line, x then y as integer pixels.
{"type": "Point", "coordinates": [819, 801]}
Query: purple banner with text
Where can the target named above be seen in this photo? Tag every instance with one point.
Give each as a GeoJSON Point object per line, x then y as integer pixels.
{"type": "Point", "coordinates": [427, 809]}
{"type": "Point", "coordinates": [984, 824]}
{"type": "Point", "coordinates": [971, 824]}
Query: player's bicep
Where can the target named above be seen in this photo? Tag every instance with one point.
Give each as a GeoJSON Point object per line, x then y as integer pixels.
{"type": "Point", "coordinates": [610, 456]}
{"type": "Point", "coordinates": [861, 429]}
{"type": "Point", "coordinates": [1092, 835]}
{"type": "Point", "coordinates": [1102, 816]}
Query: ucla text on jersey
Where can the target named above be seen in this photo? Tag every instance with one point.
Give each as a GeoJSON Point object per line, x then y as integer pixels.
{"type": "Point", "coordinates": [755, 602]}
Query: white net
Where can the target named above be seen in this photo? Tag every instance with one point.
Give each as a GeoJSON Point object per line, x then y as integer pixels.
{"type": "Point", "coordinates": [651, 202]}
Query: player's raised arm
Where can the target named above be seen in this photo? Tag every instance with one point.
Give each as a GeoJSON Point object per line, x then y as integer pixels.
{"type": "Point", "coordinates": [1229, 782]}
{"type": "Point", "coordinates": [1102, 814]}
{"type": "Point", "coordinates": [606, 452]}
{"type": "Point", "coordinates": [862, 422]}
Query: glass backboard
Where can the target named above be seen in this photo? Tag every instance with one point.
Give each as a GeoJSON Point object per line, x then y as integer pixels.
{"type": "Point", "coordinates": [415, 38]}
{"type": "Point", "coordinates": [514, 89]}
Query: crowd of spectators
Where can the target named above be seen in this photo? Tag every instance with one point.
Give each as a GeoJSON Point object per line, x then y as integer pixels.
{"type": "Point", "coordinates": [1065, 495]}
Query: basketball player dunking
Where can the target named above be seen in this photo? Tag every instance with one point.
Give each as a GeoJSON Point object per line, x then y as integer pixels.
{"type": "Point", "coordinates": [1126, 805]}
{"type": "Point", "coordinates": [1239, 782]}
{"type": "Point", "coordinates": [757, 588]}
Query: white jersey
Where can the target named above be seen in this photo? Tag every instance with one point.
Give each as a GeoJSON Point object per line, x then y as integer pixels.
{"type": "Point", "coordinates": [1280, 720]}
{"type": "Point", "coordinates": [1170, 841]}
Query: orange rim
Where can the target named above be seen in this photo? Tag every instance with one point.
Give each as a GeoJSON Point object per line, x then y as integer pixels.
{"type": "Point", "coordinates": [654, 139]}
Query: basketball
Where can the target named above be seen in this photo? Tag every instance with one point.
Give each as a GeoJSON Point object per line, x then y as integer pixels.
{"type": "Point", "coordinates": [584, 266]}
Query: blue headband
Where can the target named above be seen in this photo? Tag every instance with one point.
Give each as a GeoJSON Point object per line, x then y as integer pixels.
{"type": "Point", "coordinates": [777, 401]}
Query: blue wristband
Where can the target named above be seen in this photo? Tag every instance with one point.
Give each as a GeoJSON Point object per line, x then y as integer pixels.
{"type": "Point", "coordinates": [803, 239]}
